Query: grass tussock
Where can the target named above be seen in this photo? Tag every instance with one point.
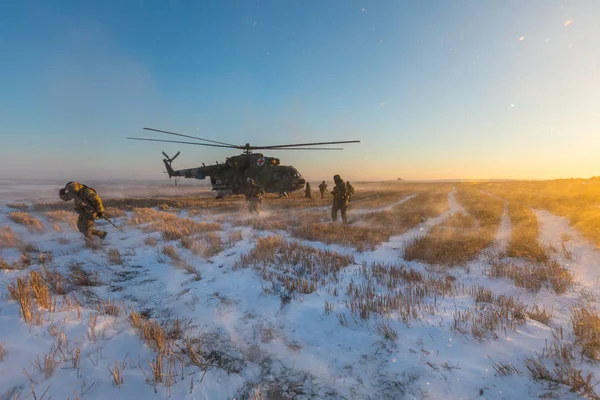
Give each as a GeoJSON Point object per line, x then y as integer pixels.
{"type": "Point", "coordinates": [534, 276]}
{"type": "Point", "coordinates": [540, 314]}
{"type": "Point", "coordinates": [81, 277]}
{"type": "Point", "coordinates": [32, 293]}
{"type": "Point", "coordinates": [575, 199]}
{"type": "Point", "coordinates": [62, 216]}
{"type": "Point", "coordinates": [9, 238]}
{"type": "Point", "coordinates": [492, 315]}
{"type": "Point", "coordinates": [411, 213]}
{"type": "Point", "coordinates": [114, 256]}
{"type": "Point", "coordinates": [32, 223]}
{"type": "Point", "coordinates": [461, 237]}
{"type": "Point", "coordinates": [586, 326]}
{"type": "Point", "coordinates": [205, 245]}
{"type": "Point", "coordinates": [363, 238]}
{"type": "Point", "coordinates": [297, 268]}
{"type": "Point", "coordinates": [524, 241]}
{"type": "Point", "coordinates": [150, 241]}
{"type": "Point", "coordinates": [113, 212]}
{"type": "Point", "coordinates": [19, 206]}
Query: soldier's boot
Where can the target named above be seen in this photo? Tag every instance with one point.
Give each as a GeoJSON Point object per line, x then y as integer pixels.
{"type": "Point", "coordinates": [100, 234]}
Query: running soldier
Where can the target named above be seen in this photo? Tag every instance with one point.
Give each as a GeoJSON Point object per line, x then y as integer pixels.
{"type": "Point", "coordinates": [307, 191]}
{"type": "Point", "coordinates": [254, 196]}
{"type": "Point", "coordinates": [323, 189]}
{"type": "Point", "coordinates": [340, 199]}
{"type": "Point", "coordinates": [88, 205]}
{"type": "Point", "coordinates": [350, 190]}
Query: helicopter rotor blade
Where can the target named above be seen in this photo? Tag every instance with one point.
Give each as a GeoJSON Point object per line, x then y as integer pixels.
{"type": "Point", "coordinates": [299, 148]}
{"type": "Point", "coordinates": [303, 144]}
{"type": "Point", "coordinates": [189, 137]}
{"type": "Point", "coordinates": [177, 141]}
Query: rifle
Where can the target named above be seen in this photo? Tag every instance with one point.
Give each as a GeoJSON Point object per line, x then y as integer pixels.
{"type": "Point", "coordinates": [104, 217]}
{"type": "Point", "coordinates": [109, 221]}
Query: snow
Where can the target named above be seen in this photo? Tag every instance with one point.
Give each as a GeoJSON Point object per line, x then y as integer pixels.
{"type": "Point", "coordinates": [235, 307]}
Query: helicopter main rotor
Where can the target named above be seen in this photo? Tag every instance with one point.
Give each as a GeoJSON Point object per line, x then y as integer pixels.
{"type": "Point", "coordinates": [247, 148]}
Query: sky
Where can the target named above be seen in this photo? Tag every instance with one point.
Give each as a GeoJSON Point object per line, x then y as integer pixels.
{"type": "Point", "coordinates": [434, 89]}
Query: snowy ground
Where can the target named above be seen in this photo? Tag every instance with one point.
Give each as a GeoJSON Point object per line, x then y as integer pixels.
{"type": "Point", "coordinates": [289, 348]}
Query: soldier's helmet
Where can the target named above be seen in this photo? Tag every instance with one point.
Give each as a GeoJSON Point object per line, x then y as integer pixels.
{"type": "Point", "coordinates": [336, 178]}
{"type": "Point", "coordinates": [73, 187]}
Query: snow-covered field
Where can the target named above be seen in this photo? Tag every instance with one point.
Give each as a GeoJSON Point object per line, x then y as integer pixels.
{"type": "Point", "coordinates": [256, 339]}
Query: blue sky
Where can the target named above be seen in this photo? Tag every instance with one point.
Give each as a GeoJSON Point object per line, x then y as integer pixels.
{"type": "Point", "coordinates": [434, 89]}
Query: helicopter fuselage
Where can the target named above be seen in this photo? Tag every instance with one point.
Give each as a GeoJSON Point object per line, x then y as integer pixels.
{"type": "Point", "coordinates": [230, 178]}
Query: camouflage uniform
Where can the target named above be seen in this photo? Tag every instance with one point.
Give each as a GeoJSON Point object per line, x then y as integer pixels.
{"type": "Point", "coordinates": [87, 204]}
{"type": "Point", "coordinates": [254, 195]}
{"type": "Point", "coordinates": [340, 199]}
{"type": "Point", "coordinates": [323, 189]}
{"type": "Point", "coordinates": [350, 190]}
{"type": "Point", "coordinates": [307, 191]}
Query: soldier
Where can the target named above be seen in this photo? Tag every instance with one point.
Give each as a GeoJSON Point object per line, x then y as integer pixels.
{"type": "Point", "coordinates": [307, 191]}
{"type": "Point", "coordinates": [323, 189]}
{"type": "Point", "coordinates": [87, 204]}
{"type": "Point", "coordinates": [350, 190]}
{"type": "Point", "coordinates": [340, 199]}
{"type": "Point", "coordinates": [254, 196]}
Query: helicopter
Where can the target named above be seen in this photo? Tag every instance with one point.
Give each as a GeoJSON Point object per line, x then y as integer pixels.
{"type": "Point", "coordinates": [232, 176]}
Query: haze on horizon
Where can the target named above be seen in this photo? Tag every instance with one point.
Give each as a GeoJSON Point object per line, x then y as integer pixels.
{"type": "Point", "coordinates": [434, 90]}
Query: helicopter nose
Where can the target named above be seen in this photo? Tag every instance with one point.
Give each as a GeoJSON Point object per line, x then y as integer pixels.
{"type": "Point", "coordinates": [299, 182]}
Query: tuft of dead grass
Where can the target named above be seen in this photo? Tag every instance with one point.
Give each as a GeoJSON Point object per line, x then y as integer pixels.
{"type": "Point", "coordinates": [113, 212]}
{"type": "Point", "coordinates": [586, 326]}
{"type": "Point", "coordinates": [150, 241]}
{"type": "Point", "coordinates": [296, 267]}
{"type": "Point", "coordinates": [534, 276]}
{"type": "Point", "coordinates": [114, 256]}
{"type": "Point", "coordinates": [524, 240]}
{"type": "Point", "coordinates": [205, 245]}
{"type": "Point", "coordinates": [540, 314]}
{"type": "Point", "coordinates": [19, 206]}
{"type": "Point", "coordinates": [79, 276]}
{"type": "Point", "coordinates": [30, 291]}
{"type": "Point", "coordinates": [9, 238]}
{"type": "Point", "coordinates": [32, 223]}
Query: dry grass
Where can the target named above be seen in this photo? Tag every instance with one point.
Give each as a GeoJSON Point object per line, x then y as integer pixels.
{"type": "Point", "coordinates": [79, 276]}
{"type": "Point", "coordinates": [524, 241]}
{"type": "Point", "coordinates": [55, 280]}
{"type": "Point", "coordinates": [32, 223]}
{"type": "Point", "coordinates": [2, 352]}
{"type": "Point", "coordinates": [205, 245]}
{"type": "Point", "coordinates": [534, 276]}
{"type": "Point", "coordinates": [540, 314]}
{"type": "Point", "coordinates": [411, 213]}
{"type": "Point", "coordinates": [169, 225]}
{"type": "Point", "coordinates": [150, 241]}
{"type": "Point", "coordinates": [9, 238]}
{"type": "Point", "coordinates": [363, 238]}
{"type": "Point", "coordinates": [565, 373]}
{"type": "Point", "coordinates": [461, 237]}
{"type": "Point", "coordinates": [114, 256]}
{"type": "Point", "coordinates": [171, 252]}
{"type": "Point", "coordinates": [586, 326]}
{"type": "Point", "coordinates": [113, 212]}
{"type": "Point", "coordinates": [32, 292]}
{"type": "Point", "coordinates": [108, 307]}
{"type": "Point", "coordinates": [575, 199]}
{"type": "Point", "coordinates": [19, 206]}
{"type": "Point", "coordinates": [491, 315]}
{"type": "Point", "coordinates": [297, 268]}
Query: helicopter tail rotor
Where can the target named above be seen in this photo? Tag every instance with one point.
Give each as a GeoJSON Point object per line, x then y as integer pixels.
{"type": "Point", "coordinates": [168, 160]}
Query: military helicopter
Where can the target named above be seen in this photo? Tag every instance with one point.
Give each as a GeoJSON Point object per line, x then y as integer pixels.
{"type": "Point", "coordinates": [231, 177]}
